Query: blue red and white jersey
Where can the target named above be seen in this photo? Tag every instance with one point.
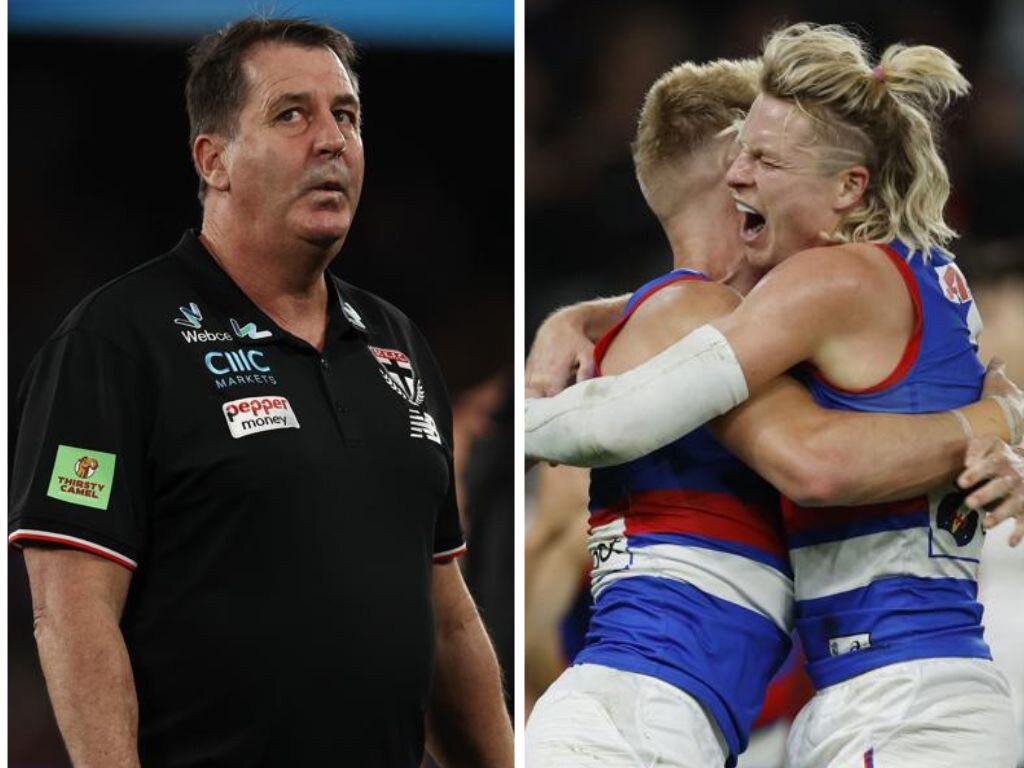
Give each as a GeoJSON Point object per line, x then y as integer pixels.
{"type": "Point", "coordinates": [690, 577]}
{"type": "Point", "coordinates": [885, 583]}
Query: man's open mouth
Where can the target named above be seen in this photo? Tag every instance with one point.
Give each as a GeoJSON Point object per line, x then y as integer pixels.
{"type": "Point", "coordinates": [753, 221]}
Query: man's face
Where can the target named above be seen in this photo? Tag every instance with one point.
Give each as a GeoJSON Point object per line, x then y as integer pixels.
{"type": "Point", "coordinates": [785, 201]}
{"type": "Point", "coordinates": [295, 164]}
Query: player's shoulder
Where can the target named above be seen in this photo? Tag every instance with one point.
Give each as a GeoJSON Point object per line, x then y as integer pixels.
{"type": "Point", "coordinates": [687, 300]}
{"type": "Point", "coordinates": [852, 267]}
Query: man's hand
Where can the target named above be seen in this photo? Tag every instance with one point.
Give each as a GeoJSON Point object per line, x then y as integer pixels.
{"type": "Point", "coordinates": [1002, 466]}
{"type": "Point", "coordinates": [561, 354]}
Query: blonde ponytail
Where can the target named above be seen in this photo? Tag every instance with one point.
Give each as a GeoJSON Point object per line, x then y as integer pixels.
{"type": "Point", "coordinates": [881, 116]}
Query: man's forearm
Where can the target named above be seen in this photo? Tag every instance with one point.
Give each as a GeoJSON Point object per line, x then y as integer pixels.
{"type": "Point", "coordinates": [91, 687]}
{"type": "Point", "coordinates": [467, 724]}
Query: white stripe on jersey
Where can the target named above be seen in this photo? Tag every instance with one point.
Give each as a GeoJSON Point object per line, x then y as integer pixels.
{"type": "Point", "coordinates": [840, 566]}
{"type": "Point", "coordinates": [737, 579]}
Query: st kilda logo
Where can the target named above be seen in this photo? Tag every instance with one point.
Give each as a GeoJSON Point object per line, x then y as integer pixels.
{"type": "Point", "coordinates": [397, 371]}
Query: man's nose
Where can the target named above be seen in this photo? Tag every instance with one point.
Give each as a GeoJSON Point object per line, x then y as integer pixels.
{"type": "Point", "coordinates": [330, 138]}
{"type": "Point", "coordinates": [739, 173]}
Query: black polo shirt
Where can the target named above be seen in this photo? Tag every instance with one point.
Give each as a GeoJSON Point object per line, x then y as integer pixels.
{"type": "Point", "coordinates": [280, 508]}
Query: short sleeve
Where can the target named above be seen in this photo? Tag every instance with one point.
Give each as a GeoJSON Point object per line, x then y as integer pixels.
{"type": "Point", "coordinates": [78, 471]}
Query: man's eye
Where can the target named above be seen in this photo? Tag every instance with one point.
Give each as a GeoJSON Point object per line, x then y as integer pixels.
{"type": "Point", "coordinates": [345, 116]}
{"type": "Point", "coordinates": [288, 116]}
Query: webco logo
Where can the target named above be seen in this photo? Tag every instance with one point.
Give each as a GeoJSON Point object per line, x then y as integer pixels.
{"type": "Point", "coordinates": [250, 415]}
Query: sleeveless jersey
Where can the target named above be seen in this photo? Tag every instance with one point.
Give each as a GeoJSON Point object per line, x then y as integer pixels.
{"type": "Point", "coordinates": [885, 583]}
{"type": "Point", "coordinates": [690, 578]}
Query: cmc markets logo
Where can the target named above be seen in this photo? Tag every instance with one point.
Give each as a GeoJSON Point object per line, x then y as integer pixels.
{"type": "Point", "coordinates": [251, 415]}
{"type": "Point", "coordinates": [238, 366]}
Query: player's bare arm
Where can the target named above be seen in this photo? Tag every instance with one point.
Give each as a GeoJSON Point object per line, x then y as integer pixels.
{"type": "Point", "coordinates": [467, 724]}
{"type": "Point", "coordinates": [802, 310]}
{"type": "Point", "coordinates": [813, 455]}
{"type": "Point", "coordinates": [563, 349]}
{"type": "Point", "coordinates": [77, 599]}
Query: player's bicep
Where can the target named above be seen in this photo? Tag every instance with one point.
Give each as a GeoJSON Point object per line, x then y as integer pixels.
{"type": "Point", "coordinates": [789, 315]}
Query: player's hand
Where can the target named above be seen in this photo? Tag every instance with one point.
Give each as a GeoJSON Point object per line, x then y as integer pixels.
{"type": "Point", "coordinates": [1000, 470]}
{"type": "Point", "coordinates": [561, 354]}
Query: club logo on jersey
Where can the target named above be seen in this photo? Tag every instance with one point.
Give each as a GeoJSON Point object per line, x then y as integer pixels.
{"type": "Point", "coordinates": [262, 413]}
{"type": "Point", "coordinates": [397, 370]}
{"type": "Point", "coordinates": [959, 521]}
{"type": "Point", "coordinates": [248, 330]}
{"type": "Point", "coordinates": [191, 316]}
{"type": "Point", "coordinates": [353, 317]}
{"type": "Point", "coordinates": [954, 286]}
{"type": "Point", "coordinates": [82, 476]}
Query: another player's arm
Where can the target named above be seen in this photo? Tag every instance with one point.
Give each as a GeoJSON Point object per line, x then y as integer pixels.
{"type": "Point", "coordinates": [818, 457]}
{"type": "Point", "coordinates": [556, 559]}
{"type": "Point", "coordinates": [467, 724]}
{"type": "Point", "coordinates": [563, 348]}
{"type": "Point", "coordinates": [798, 312]}
{"type": "Point", "coordinates": [77, 600]}
{"type": "Point", "coordinates": [813, 455]}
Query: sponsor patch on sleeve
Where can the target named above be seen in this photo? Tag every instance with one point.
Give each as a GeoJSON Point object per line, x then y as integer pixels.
{"type": "Point", "coordinates": [82, 476]}
{"type": "Point", "coordinates": [261, 413]}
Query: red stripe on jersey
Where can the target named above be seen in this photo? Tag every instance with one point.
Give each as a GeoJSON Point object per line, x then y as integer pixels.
{"type": "Point", "coordinates": [700, 513]}
{"type": "Point", "coordinates": [447, 557]}
{"type": "Point", "coordinates": [913, 347]}
{"type": "Point", "coordinates": [74, 544]}
{"type": "Point", "coordinates": [797, 518]}
{"type": "Point", "coordinates": [601, 348]}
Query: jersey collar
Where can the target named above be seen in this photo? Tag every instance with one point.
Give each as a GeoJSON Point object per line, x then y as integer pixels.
{"type": "Point", "coordinates": [249, 324]}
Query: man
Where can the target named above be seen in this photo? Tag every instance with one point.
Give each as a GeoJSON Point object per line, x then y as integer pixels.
{"type": "Point", "coordinates": [686, 541]}
{"type": "Point", "coordinates": [233, 474]}
{"type": "Point", "coordinates": [885, 603]}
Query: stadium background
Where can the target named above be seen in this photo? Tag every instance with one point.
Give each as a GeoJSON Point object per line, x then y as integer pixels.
{"type": "Point", "coordinates": [100, 180]}
{"type": "Point", "coordinates": [589, 233]}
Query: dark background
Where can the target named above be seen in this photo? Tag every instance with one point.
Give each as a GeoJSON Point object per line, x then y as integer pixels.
{"type": "Point", "coordinates": [100, 180]}
{"type": "Point", "coordinates": [590, 62]}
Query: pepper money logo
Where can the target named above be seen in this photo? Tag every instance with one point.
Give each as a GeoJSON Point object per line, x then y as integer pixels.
{"type": "Point", "coordinates": [82, 476]}
{"type": "Point", "coordinates": [261, 413]}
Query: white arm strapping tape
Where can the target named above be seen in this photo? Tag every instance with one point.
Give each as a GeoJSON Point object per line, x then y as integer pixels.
{"type": "Point", "coordinates": [615, 419]}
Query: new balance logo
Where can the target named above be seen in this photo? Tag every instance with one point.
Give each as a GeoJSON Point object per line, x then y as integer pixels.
{"type": "Point", "coordinates": [193, 318]}
{"type": "Point", "coordinates": [421, 424]}
{"type": "Point", "coordinates": [248, 330]}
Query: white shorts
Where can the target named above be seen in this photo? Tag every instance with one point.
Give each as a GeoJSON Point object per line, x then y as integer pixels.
{"type": "Point", "coordinates": [931, 713]}
{"type": "Point", "coordinates": [606, 718]}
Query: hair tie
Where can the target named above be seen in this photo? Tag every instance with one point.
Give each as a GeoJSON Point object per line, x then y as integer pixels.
{"type": "Point", "coordinates": [878, 73]}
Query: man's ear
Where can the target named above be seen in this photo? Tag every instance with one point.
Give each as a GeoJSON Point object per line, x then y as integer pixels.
{"type": "Point", "coordinates": [853, 183]}
{"type": "Point", "coordinates": [208, 154]}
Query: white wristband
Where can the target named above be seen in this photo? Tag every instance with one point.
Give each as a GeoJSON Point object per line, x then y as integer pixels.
{"type": "Point", "coordinates": [614, 419]}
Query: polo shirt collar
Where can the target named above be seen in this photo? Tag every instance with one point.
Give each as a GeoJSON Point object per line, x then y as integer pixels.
{"type": "Point", "coordinates": [252, 326]}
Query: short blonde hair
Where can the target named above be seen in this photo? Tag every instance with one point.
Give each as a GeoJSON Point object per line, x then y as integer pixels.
{"type": "Point", "coordinates": [883, 117]}
{"type": "Point", "coordinates": [689, 105]}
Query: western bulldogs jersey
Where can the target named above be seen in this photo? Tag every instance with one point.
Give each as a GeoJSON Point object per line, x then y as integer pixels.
{"type": "Point", "coordinates": [690, 577]}
{"type": "Point", "coordinates": [886, 583]}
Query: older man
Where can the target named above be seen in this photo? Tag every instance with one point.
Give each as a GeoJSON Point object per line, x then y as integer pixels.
{"type": "Point", "coordinates": [235, 470]}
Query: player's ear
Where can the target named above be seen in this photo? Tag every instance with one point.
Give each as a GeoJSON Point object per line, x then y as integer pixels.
{"type": "Point", "coordinates": [852, 184]}
{"type": "Point", "coordinates": [209, 155]}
